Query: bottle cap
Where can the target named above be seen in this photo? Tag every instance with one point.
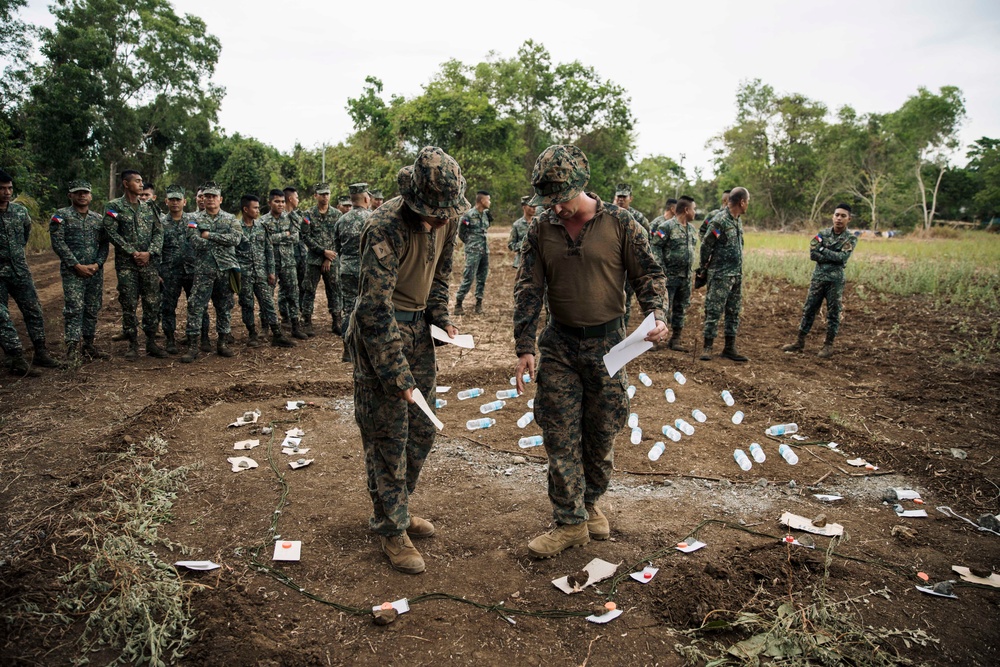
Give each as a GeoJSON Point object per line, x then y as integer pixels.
{"type": "Point", "coordinates": [286, 545]}
{"type": "Point", "coordinates": [386, 605]}
{"type": "Point", "coordinates": [682, 545]}
{"type": "Point", "coordinates": [610, 606]}
{"type": "Point", "coordinates": [647, 575]}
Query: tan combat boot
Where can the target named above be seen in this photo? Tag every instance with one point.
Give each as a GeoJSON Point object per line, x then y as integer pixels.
{"type": "Point", "coordinates": [597, 524]}
{"type": "Point", "coordinates": [556, 541]}
{"type": "Point", "coordinates": [402, 555]}
{"type": "Point", "coordinates": [419, 528]}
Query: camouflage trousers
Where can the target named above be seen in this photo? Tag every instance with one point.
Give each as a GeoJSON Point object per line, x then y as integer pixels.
{"type": "Point", "coordinates": [580, 410]}
{"type": "Point", "coordinates": [214, 287]}
{"type": "Point", "coordinates": [136, 283]}
{"type": "Point", "coordinates": [288, 291]}
{"type": "Point", "coordinates": [833, 292]}
{"type": "Point", "coordinates": [679, 296]}
{"type": "Point", "coordinates": [170, 296]}
{"type": "Point", "coordinates": [22, 290]}
{"type": "Point", "coordinates": [477, 268]}
{"type": "Point", "coordinates": [724, 295]}
{"type": "Point", "coordinates": [349, 285]}
{"type": "Point", "coordinates": [259, 289]}
{"type": "Point", "coordinates": [307, 293]}
{"type": "Point", "coordinates": [82, 299]}
{"type": "Point", "coordinates": [396, 435]}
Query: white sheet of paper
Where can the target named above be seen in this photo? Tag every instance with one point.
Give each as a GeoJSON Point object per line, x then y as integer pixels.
{"type": "Point", "coordinates": [243, 421]}
{"type": "Point", "coordinates": [443, 390]}
{"type": "Point", "coordinates": [290, 441]}
{"type": "Point", "coordinates": [246, 444]}
{"type": "Point", "coordinates": [798, 544]}
{"type": "Point", "coordinates": [630, 348]}
{"type": "Point", "coordinates": [287, 550]}
{"type": "Point", "coordinates": [201, 565]}
{"type": "Point", "coordinates": [691, 546]}
{"type": "Point", "coordinates": [931, 591]}
{"type": "Point", "coordinates": [422, 404]}
{"type": "Point", "coordinates": [910, 514]}
{"type": "Point", "coordinates": [295, 465]}
{"type": "Point", "coordinates": [906, 494]}
{"type": "Point", "coordinates": [235, 462]}
{"type": "Point", "coordinates": [605, 617]}
{"type": "Point", "coordinates": [966, 574]}
{"type": "Point", "coordinates": [798, 437]}
{"type": "Point", "coordinates": [641, 576]}
{"type": "Point", "coordinates": [289, 450]}
{"type": "Point", "coordinates": [462, 340]}
{"type": "Point", "coordinates": [801, 523]}
{"type": "Point", "coordinates": [293, 405]}
{"type": "Point", "coordinates": [598, 569]}
{"type": "Point", "coordinates": [295, 432]}
{"type": "Point", "coordinates": [827, 498]}
{"type": "Point", "coordinates": [401, 606]}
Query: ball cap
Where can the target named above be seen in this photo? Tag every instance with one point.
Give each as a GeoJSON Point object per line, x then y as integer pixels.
{"type": "Point", "coordinates": [434, 185]}
{"type": "Point", "coordinates": [322, 188]}
{"type": "Point", "coordinates": [561, 173]}
{"type": "Point", "coordinates": [79, 186]}
{"type": "Point", "coordinates": [175, 191]}
{"type": "Point", "coordinates": [211, 188]}
{"type": "Point", "coordinates": [357, 188]}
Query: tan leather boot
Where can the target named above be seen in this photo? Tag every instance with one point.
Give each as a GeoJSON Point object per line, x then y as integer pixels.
{"type": "Point", "coordinates": [419, 528]}
{"type": "Point", "coordinates": [597, 524]}
{"type": "Point", "coordinates": [402, 555]}
{"type": "Point", "coordinates": [556, 541]}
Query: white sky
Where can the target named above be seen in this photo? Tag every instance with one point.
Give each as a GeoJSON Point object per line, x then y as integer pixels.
{"type": "Point", "coordinates": [680, 62]}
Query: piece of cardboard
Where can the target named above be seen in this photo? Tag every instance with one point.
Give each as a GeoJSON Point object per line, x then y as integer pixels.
{"type": "Point", "coordinates": [797, 522]}
{"type": "Point", "coordinates": [421, 402]}
{"type": "Point", "coordinates": [287, 550]}
{"type": "Point", "coordinates": [443, 390]}
{"type": "Point", "coordinates": [906, 494]}
{"type": "Point", "coordinates": [909, 514]}
{"type": "Point", "coordinates": [993, 580]}
{"type": "Point", "coordinates": [291, 441]}
{"type": "Point", "coordinates": [598, 569]}
{"type": "Point", "coordinates": [294, 405]}
{"type": "Point", "coordinates": [234, 461]}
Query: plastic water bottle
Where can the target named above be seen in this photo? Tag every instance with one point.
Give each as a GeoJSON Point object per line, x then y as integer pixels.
{"type": "Point", "coordinates": [656, 451]}
{"type": "Point", "coordinates": [683, 427]}
{"type": "Point", "coordinates": [728, 398]}
{"type": "Point", "coordinates": [680, 378]}
{"type": "Point", "coordinates": [742, 460]}
{"type": "Point", "coordinates": [531, 404]}
{"type": "Point", "coordinates": [633, 420]}
{"type": "Point", "coordinates": [670, 396]}
{"type": "Point", "coordinates": [671, 432]}
{"type": "Point", "coordinates": [440, 402]}
{"type": "Point", "coordinates": [699, 416]}
{"type": "Point", "coordinates": [525, 419]}
{"type": "Point", "coordinates": [644, 379]}
{"type": "Point", "coordinates": [757, 452]}
{"type": "Point", "coordinates": [469, 393]}
{"type": "Point", "coordinates": [636, 437]}
{"type": "Point", "coordinates": [631, 391]}
{"type": "Point", "coordinates": [790, 456]}
{"type": "Point", "coordinates": [738, 417]}
{"type": "Point", "coordinates": [526, 378]}
{"type": "Point", "coordinates": [491, 407]}
{"type": "Point", "coordinates": [530, 441]}
{"type": "Point", "coordinates": [507, 393]}
{"type": "Point", "coordinates": [782, 429]}
{"type": "Point", "coordinates": [475, 424]}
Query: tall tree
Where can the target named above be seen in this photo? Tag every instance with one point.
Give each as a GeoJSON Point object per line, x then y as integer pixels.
{"type": "Point", "coordinates": [984, 162]}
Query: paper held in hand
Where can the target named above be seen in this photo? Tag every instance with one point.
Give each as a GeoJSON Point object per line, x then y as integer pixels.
{"type": "Point", "coordinates": [422, 404]}
{"type": "Point", "coordinates": [462, 340]}
{"type": "Point", "coordinates": [631, 347]}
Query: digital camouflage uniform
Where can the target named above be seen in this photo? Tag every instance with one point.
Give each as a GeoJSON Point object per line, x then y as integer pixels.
{"type": "Point", "coordinates": [675, 243]}
{"type": "Point", "coordinates": [830, 252]}
{"type": "Point", "coordinates": [657, 251]}
{"type": "Point", "coordinates": [16, 281]}
{"type": "Point", "coordinates": [703, 229]}
{"type": "Point", "coordinates": [176, 265]}
{"type": "Point", "coordinates": [518, 231]}
{"type": "Point", "coordinates": [283, 232]}
{"type": "Point", "coordinates": [722, 255]}
{"type": "Point", "coordinates": [301, 252]}
{"type": "Point", "coordinates": [318, 235]}
{"type": "Point", "coordinates": [472, 231]}
{"type": "Point", "coordinates": [79, 239]}
{"type": "Point", "coordinates": [213, 259]}
{"type": "Point", "coordinates": [136, 228]}
{"type": "Point", "coordinates": [347, 244]}
{"type": "Point", "coordinates": [255, 255]}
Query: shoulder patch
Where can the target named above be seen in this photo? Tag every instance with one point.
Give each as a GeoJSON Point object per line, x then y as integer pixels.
{"type": "Point", "coordinates": [381, 249]}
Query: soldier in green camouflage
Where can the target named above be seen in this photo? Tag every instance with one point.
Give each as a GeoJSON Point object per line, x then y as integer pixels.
{"type": "Point", "coordinates": [321, 261]}
{"type": "Point", "coordinates": [347, 243]}
{"type": "Point", "coordinates": [519, 230]}
{"type": "Point", "coordinates": [175, 268]}
{"type": "Point", "coordinates": [255, 255]}
{"type": "Point", "coordinates": [16, 282]}
{"type": "Point", "coordinates": [659, 223]}
{"type": "Point", "coordinates": [377, 199]}
{"type": "Point", "coordinates": [213, 235]}
{"type": "Point", "coordinates": [79, 240]}
{"type": "Point", "coordinates": [472, 230]}
{"type": "Point", "coordinates": [830, 249]}
{"type": "Point", "coordinates": [582, 251]}
{"type": "Point", "coordinates": [301, 250]}
{"type": "Point", "coordinates": [283, 232]}
{"type": "Point", "coordinates": [714, 212]}
{"type": "Point", "coordinates": [623, 199]}
{"type": "Point", "coordinates": [722, 258]}
{"type": "Point", "coordinates": [344, 203]}
{"type": "Point", "coordinates": [406, 254]}
{"type": "Point", "coordinates": [675, 241]}
{"type": "Point", "coordinates": [137, 233]}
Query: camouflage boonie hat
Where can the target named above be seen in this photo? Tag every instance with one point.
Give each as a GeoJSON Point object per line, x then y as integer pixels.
{"type": "Point", "coordinates": [211, 188]}
{"type": "Point", "coordinates": [175, 191]}
{"type": "Point", "coordinates": [78, 186]}
{"type": "Point", "coordinates": [322, 188]}
{"type": "Point", "coordinates": [624, 190]}
{"type": "Point", "coordinates": [376, 194]}
{"type": "Point", "coordinates": [561, 173]}
{"type": "Point", "coordinates": [434, 186]}
{"type": "Point", "coordinates": [526, 200]}
{"type": "Point", "coordinates": [357, 188]}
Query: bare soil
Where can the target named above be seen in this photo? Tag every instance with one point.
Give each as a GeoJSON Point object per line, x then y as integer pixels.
{"type": "Point", "coordinates": [894, 394]}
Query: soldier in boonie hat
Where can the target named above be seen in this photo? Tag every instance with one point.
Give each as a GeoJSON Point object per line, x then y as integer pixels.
{"type": "Point", "coordinates": [322, 188]}
{"type": "Point", "coordinates": [79, 186]}
{"type": "Point", "coordinates": [561, 173]}
{"type": "Point", "coordinates": [434, 186]}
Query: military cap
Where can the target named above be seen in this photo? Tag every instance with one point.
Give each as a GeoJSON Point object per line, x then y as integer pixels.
{"type": "Point", "coordinates": [344, 199]}
{"type": "Point", "coordinates": [561, 173]}
{"type": "Point", "coordinates": [175, 191]}
{"type": "Point", "coordinates": [77, 186]}
{"type": "Point", "coordinates": [624, 190]}
{"type": "Point", "coordinates": [433, 185]}
{"type": "Point", "coordinates": [376, 194]}
{"type": "Point", "coordinates": [357, 188]}
{"type": "Point", "coordinates": [211, 188]}
{"type": "Point", "coordinates": [322, 188]}
{"type": "Point", "coordinates": [526, 200]}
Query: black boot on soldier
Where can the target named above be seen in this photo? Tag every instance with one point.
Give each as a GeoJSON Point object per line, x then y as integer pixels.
{"type": "Point", "coordinates": [706, 350]}
{"type": "Point", "coordinates": [798, 345]}
{"type": "Point", "coordinates": [730, 351]}
{"type": "Point", "coordinates": [42, 357]}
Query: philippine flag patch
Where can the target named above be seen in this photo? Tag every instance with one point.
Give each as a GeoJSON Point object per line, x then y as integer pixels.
{"type": "Point", "coordinates": [112, 213]}
{"type": "Point", "coordinates": [716, 233]}
{"type": "Point", "coordinates": [57, 220]}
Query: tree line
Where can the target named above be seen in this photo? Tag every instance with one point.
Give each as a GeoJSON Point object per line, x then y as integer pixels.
{"type": "Point", "coordinates": [128, 84]}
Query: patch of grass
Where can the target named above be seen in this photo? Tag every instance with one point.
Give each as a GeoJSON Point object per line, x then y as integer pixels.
{"type": "Point", "coordinates": [38, 239]}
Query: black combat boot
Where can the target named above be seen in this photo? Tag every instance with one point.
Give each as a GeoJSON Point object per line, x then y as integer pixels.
{"type": "Point", "coordinates": [675, 341]}
{"type": "Point", "coordinates": [307, 326]}
{"type": "Point", "coordinates": [254, 339]}
{"type": "Point", "coordinates": [297, 331]}
{"type": "Point", "coordinates": [192, 353]}
{"type": "Point", "coordinates": [19, 366]}
{"type": "Point", "coordinates": [798, 345]}
{"type": "Point", "coordinates": [458, 308]}
{"type": "Point", "coordinates": [706, 350]}
{"type": "Point", "coordinates": [73, 352]}
{"type": "Point", "coordinates": [171, 342]}
{"type": "Point", "coordinates": [154, 350]}
{"type": "Point", "coordinates": [337, 326]}
{"type": "Point", "coordinates": [119, 337]}
{"type": "Point", "coordinates": [279, 339]}
{"type": "Point", "coordinates": [479, 306]}
{"type": "Point", "coordinates": [827, 350]}
{"type": "Point", "coordinates": [730, 351]}
{"type": "Point", "coordinates": [42, 357]}
{"type": "Point", "coordinates": [206, 343]}
{"type": "Point", "coordinates": [222, 347]}
{"type": "Point", "coordinates": [133, 349]}
{"type": "Point", "coordinates": [91, 351]}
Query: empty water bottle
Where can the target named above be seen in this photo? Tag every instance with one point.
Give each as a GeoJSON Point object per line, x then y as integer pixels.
{"type": "Point", "coordinates": [669, 394]}
{"type": "Point", "coordinates": [782, 429]}
{"type": "Point", "coordinates": [530, 441]}
{"type": "Point", "coordinates": [485, 422]}
{"type": "Point", "coordinates": [683, 427]}
{"type": "Point", "coordinates": [656, 451]}
{"type": "Point", "coordinates": [491, 407]}
{"type": "Point", "coordinates": [636, 437]}
{"type": "Point", "coordinates": [738, 417]}
{"type": "Point", "coordinates": [728, 398]}
{"type": "Point", "coordinates": [790, 456]}
{"type": "Point", "coordinates": [526, 378]}
{"type": "Point", "coordinates": [507, 393]}
{"type": "Point", "coordinates": [630, 391]}
{"type": "Point", "coordinates": [526, 419]}
{"type": "Point", "coordinates": [633, 420]}
{"type": "Point", "coordinates": [531, 404]}
{"type": "Point", "coordinates": [742, 460]}
{"type": "Point", "coordinates": [757, 452]}
{"type": "Point", "coordinates": [440, 403]}
{"type": "Point", "coordinates": [680, 377]}
{"type": "Point", "coordinates": [469, 393]}
{"type": "Point", "coordinates": [699, 415]}
{"type": "Point", "coordinates": [671, 432]}
{"type": "Point", "coordinates": [644, 379]}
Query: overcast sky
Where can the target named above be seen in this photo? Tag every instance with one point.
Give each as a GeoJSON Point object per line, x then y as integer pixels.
{"type": "Point", "coordinates": [681, 63]}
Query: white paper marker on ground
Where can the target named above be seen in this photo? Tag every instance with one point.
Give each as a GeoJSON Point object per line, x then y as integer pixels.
{"type": "Point", "coordinates": [688, 547]}
{"type": "Point", "coordinates": [246, 444]}
{"type": "Point", "coordinates": [300, 463]}
{"type": "Point", "coordinates": [240, 463]}
{"type": "Point", "coordinates": [631, 347]}
{"type": "Point", "coordinates": [287, 550]}
{"type": "Point", "coordinates": [801, 523]}
{"type": "Point", "coordinates": [200, 565]}
{"type": "Point", "coordinates": [931, 591]}
{"type": "Point", "coordinates": [606, 617]}
{"type": "Point", "coordinates": [597, 569]}
{"type": "Point", "coordinates": [401, 606]}
{"type": "Point", "coordinates": [249, 417]}
{"type": "Point", "coordinates": [443, 390]}
{"type": "Point", "coordinates": [290, 442]}
{"type": "Point", "coordinates": [422, 404]}
{"type": "Point", "coordinates": [295, 432]}
{"type": "Point", "coordinates": [645, 575]}
{"type": "Point", "coordinates": [461, 340]}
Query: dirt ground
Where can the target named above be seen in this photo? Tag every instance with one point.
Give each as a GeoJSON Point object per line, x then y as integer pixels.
{"type": "Point", "coordinates": [894, 395]}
